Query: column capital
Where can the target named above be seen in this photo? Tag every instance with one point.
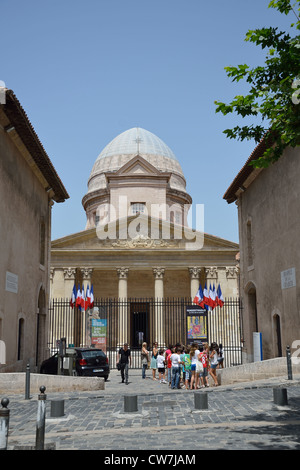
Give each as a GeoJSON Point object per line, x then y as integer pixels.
{"type": "Point", "coordinates": [86, 273]}
{"type": "Point", "coordinates": [195, 272]}
{"type": "Point", "coordinates": [158, 273]}
{"type": "Point", "coordinates": [122, 273]}
{"type": "Point", "coordinates": [232, 272]}
{"type": "Point", "coordinates": [69, 273]}
{"type": "Point", "coordinates": [212, 272]}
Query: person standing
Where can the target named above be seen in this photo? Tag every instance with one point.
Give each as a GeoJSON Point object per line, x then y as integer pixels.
{"type": "Point", "coordinates": [124, 360]}
{"type": "Point", "coordinates": [161, 366]}
{"type": "Point", "coordinates": [153, 364]}
{"type": "Point", "coordinates": [145, 359]}
{"type": "Point", "coordinates": [175, 359]}
{"type": "Point", "coordinates": [221, 357]}
{"type": "Point", "coordinates": [214, 353]}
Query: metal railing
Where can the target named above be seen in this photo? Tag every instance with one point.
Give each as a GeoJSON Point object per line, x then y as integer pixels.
{"type": "Point", "coordinates": [113, 321]}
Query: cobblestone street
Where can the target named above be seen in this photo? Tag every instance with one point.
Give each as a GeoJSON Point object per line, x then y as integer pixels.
{"type": "Point", "coordinates": [238, 417]}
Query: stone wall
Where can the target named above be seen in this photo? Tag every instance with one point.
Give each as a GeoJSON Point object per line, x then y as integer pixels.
{"type": "Point", "coordinates": [256, 371]}
{"type": "Point", "coordinates": [15, 383]}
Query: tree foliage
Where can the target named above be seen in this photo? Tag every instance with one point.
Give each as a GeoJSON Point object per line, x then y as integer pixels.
{"type": "Point", "coordinates": [274, 94]}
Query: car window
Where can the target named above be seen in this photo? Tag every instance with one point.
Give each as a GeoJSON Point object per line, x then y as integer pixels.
{"type": "Point", "coordinates": [91, 354]}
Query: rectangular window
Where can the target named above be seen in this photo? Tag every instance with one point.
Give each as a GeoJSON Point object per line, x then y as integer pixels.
{"type": "Point", "coordinates": [138, 208]}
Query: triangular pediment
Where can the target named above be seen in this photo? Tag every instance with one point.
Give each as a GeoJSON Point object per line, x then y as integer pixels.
{"type": "Point", "coordinates": [147, 233]}
{"type": "Point", "coordinates": [137, 166]}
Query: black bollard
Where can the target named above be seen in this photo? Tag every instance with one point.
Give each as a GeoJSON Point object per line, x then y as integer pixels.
{"type": "Point", "coordinates": [4, 423]}
{"type": "Point", "coordinates": [289, 363]}
{"type": "Point", "coordinates": [41, 419]}
{"type": "Point", "coordinates": [280, 396]}
{"type": "Point", "coordinates": [130, 403]}
{"type": "Point", "coordinates": [27, 382]}
{"type": "Point", "coordinates": [201, 400]}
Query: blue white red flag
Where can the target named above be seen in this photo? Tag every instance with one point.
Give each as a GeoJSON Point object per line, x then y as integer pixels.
{"type": "Point", "coordinates": [198, 299]}
{"type": "Point", "coordinates": [82, 299]}
{"type": "Point", "coordinates": [220, 298]}
{"type": "Point", "coordinates": [78, 297]}
{"type": "Point", "coordinates": [88, 298]}
{"type": "Point", "coordinates": [92, 297]}
{"type": "Point", "coordinates": [205, 295]}
{"type": "Point", "coordinates": [73, 297]}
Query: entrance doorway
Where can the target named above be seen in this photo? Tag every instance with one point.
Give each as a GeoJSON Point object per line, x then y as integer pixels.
{"type": "Point", "coordinates": [139, 321]}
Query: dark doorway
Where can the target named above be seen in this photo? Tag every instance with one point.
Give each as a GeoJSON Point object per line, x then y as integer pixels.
{"type": "Point", "coordinates": [278, 352]}
{"type": "Point", "coordinates": [139, 321]}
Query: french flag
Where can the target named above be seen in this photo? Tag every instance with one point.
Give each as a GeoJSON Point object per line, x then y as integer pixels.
{"type": "Point", "coordinates": [198, 299]}
{"type": "Point", "coordinates": [220, 298]}
{"type": "Point", "coordinates": [88, 298]}
{"type": "Point", "coordinates": [78, 298]}
{"type": "Point", "coordinates": [92, 297]}
{"type": "Point", "coordinates": [73, 297]}
{"type": "Point", "coordinates": [205, 295]}
{"type": "Point", "coordinates": [211, 303]}
{"type": "Point", "coordinates": [214, 297]}
{"type": "Point", "coordinates": [82, 299]}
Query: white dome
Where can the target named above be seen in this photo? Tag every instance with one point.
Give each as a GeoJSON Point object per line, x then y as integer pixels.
{"type": "Point", "coordinates": [136, 141]}
{"type": "Point", "coordinates": [128, 144]}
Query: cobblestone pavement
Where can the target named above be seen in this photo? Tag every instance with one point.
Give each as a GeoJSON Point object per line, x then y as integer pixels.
{"type": "Point", "coordinates": [238, 417]}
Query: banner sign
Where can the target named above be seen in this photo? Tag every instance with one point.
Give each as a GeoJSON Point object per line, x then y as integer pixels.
{"type": "Point", "coordinates": [98, 335]}
{"type": "Point", "coordinates": [197, 324]}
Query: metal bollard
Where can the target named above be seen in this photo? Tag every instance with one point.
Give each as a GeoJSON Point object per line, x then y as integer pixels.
{"type": "Point", "coordinates": [57, 408]}
{"type": "Point", "coordinates": [280, 396]}
{"type": "Point", "coordinates": [41, 418]}
{"type": "Point", "coordinates": [289, 363]}
{"type": "Point", "coordinates": [4, 423]}
{"type": "Point", "coordinates": [27, 382]}
{"type": "Point", "coordinates": [130, 403]}
{"type": "Point", "coordinates": [201, 400]}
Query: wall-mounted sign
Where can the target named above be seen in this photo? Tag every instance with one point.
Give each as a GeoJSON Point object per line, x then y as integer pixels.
{"type": "Point", "coordinates": [288, 278]}
{"type": "Point", "coordinates": [11, 284]}
{"type": "Point", "coordinates": [257, 347]}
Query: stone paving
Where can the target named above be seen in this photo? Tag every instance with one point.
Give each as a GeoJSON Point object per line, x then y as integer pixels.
{"type": "Point", "coordinates": [238, 417]}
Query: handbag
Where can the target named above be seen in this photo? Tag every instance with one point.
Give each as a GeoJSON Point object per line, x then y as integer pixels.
{"type": "Point", "coordinates": [119, 366]}
{"type": "Point", "coordinates": [199, 367]}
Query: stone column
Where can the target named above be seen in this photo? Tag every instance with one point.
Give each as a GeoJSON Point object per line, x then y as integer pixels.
{"type": "Point", "coordinates": [159, 332]}
{"type": "Point", "coordinates": [87, 319]}
{"type": "Point", "coordinates": [232, 276]}
{"type": "Point", "coordinates": [122, 309]}
{"type": "Point", "coordinates": [194, 275]}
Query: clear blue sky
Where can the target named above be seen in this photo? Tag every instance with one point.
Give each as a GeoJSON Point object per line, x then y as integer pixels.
{"type": "Point", "coordinates": [87, 71]}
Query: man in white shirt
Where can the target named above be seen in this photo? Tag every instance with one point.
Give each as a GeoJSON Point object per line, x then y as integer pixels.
{"type": "Point", "coordinates": [175, 359]}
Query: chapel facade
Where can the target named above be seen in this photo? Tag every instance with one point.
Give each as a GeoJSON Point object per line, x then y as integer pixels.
{"type": "Point", "coordinates": [137, 242]}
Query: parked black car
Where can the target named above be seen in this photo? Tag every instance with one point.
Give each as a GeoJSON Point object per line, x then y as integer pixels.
{"type": "Point", "coordinates": [89, 362]}
{"type": "Point", "coordinates": [49, 366]}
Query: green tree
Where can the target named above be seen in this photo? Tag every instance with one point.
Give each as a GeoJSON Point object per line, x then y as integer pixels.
{"type": "Point", "coordinates": [274, 94]}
